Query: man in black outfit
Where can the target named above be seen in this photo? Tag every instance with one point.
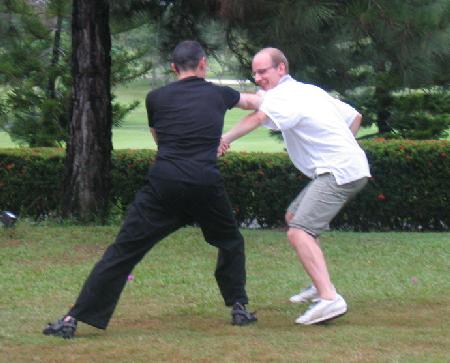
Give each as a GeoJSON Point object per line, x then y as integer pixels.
{"type": "Point", "coordinates": [183, 186]}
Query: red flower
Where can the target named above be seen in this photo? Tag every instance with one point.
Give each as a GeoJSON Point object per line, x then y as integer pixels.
{"type": "Point", "coordinates": [381, 197]}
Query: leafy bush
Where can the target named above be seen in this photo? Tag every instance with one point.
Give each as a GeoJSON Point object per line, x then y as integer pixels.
{"type": "Point", "coordinates": [412, 114]}
{"type": "Point", "coordinates": [422, 115]}
{"type": "Point", "coordinates": [31, 180]}
{"type": "Point", "coordinates": [409, 190]}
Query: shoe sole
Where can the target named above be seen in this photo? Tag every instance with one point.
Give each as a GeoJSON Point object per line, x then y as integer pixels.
{"type": "Point", "coordinates": [326, 318]}
{"type": "Point", "coordinates": [248, 322]}
{"type": "Point", "coordinates": [60, 335]}
{"type": "Point", "coordinates": [301, 301]}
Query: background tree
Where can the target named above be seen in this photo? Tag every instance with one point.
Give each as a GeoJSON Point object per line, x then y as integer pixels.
{"type": "Point", "coordinates": [400, 47]}
{"type": "Point", "coordinates": [35, 70]}
{"type": "Point", "coordinates": [88, 159]}
{"type": "Point", "coordinates": [32, 60]}
{"type": "Point", "coordinates": [371, 52]}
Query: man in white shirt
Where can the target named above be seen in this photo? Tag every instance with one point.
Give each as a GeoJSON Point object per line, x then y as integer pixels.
{"type": "Point", "coordinates": [319, 133]}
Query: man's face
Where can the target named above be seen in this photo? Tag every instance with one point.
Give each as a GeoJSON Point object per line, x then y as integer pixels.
{"type": "Point", "coordinates": [265, 73]}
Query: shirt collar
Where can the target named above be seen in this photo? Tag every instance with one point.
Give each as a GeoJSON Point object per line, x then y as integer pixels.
{"type": "Point", "coordinates": [285, 78]}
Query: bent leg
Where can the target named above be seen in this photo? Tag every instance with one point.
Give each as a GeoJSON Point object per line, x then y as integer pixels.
{"type": "Point", "coordinates": [313, 261]}
{"type": "Point", "coordinates": [146, 223]}
{"type": "Point", "coordinates": [215, 216]}
{"type": "Point", "coordinates": [230, 274]}
{"type": "Point", "coordinates": [308, 216]}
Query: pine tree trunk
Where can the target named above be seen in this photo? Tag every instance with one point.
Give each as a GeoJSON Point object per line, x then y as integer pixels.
{"type": "Point", "coordinates": [383, 98]}
{"type": "Point", "coordinates": [88, 159]}
{"type": "Point", "coordinates": [51, 88]}
{"type": "Point", "coordinates": [383, 101]}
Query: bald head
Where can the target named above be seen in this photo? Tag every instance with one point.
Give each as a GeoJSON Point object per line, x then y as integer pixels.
{"type": "Point", "coordinates": [276, 56]}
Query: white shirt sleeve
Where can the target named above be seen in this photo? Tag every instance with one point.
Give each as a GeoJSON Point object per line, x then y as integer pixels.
{"type": "Point", "coordinates": [347, 112]}
{"type": "Point", "coordinates": [269, 124]}
{"type": "Point", "coordinates": [281, 110]}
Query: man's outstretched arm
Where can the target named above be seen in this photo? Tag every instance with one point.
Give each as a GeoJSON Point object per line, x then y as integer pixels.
{"type": "Point", "coordinates": [244, 126]}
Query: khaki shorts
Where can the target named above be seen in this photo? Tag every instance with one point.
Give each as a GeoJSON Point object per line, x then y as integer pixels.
{"type": "Point", "coordinates": [320, 201]}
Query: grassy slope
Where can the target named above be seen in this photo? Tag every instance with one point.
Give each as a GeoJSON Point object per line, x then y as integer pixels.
{"type": "Point", "coordinates": [396, 285]}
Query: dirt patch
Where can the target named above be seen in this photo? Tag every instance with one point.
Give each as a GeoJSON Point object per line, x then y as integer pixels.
{"type": "Point", "coordinates": [12, 243]}
{"type": "Point", "coordinates": [90, 250]}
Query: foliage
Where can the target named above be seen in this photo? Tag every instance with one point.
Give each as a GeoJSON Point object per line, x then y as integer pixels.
{"type": "Point", "coordinates": [366, 51]}
{"type": "Point", "coordinates": [409, 189]}
{"type": "Point", "coordinates": [422, 115]}
{"type": "Point", "coordinates": [35, 61]}
{"type": "Point", "coordinates": [358, 48]}
{"type": "Point", "coordinates": [418, 114]}
{"type": "Point", "coordinates": [399, 45]}
{"type": "Point", "coordinates": [31, 180]}
{"type": "Point", "coordinates": [36, 83]}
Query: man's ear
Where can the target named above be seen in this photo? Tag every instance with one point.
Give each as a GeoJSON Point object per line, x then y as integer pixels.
{"type": "Point", "coordinates": [281, 68]}
{"type": "Point", "coordinates": [174, 68]}
{"type": "Point", "coordinates": [202, 63]}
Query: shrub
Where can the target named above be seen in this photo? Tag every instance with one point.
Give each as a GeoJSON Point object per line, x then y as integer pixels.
{"type": "Point", "coordinates": [409, 190]}
{"type": "Point", "coordinates": [31, 180]}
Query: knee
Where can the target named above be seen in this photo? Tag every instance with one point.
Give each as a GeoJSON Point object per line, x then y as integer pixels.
{"type": "Point", "coordinates": [298, 237]}
{"type": "Point", "coordinates": [293, 236]}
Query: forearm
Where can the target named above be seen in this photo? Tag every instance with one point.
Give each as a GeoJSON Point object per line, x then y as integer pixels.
{"type": "Point", "coordinates": [243, 127]}
{"type": "Point", "coordinates": [356, 124]}
{"type": "Point", "coordinates": [155, 137]}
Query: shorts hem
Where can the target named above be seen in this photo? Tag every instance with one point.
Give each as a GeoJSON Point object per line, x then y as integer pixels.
{"type": "Point", "coordinates": [304, 229]}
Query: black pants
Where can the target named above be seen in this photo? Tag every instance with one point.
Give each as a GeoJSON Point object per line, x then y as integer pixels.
{"type": "Point", "coordinates": [160, 208]}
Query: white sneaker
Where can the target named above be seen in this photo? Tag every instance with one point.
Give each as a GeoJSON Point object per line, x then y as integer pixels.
{"type": "Point", "coordinates": [309, 293]}
{"type": "Point", "coordinates": [323, 310]}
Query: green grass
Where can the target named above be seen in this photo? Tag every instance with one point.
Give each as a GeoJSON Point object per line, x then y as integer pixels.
{"type": "Point", "coordinates": [396, 285]}
{"type": "Point", "coordinates": [134, 133]}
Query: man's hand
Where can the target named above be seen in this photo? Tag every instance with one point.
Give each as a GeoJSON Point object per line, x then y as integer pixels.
{"type": "Point", "coordinates": [223, 148]}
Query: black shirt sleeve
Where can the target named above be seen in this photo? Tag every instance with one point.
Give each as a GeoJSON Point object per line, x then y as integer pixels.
{"type": "Point", "coordinates": [230, 96]}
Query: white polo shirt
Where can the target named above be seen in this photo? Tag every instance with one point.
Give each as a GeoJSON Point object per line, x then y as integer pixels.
{"type": "Point", "coordinates": [315, 128]}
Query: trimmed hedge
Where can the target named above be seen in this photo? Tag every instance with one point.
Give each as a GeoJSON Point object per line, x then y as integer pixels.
{"type": "Point", "coordinates": [410, 188]}
{"type": "Point", "coordinates": [31, 180]}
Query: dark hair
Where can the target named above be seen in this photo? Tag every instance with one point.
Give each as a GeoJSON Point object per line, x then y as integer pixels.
{"type": "Point", "coordinates": [187, 54]}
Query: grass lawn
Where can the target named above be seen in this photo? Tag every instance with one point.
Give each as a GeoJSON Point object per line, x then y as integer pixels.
{"type": "Point", "coordinates": [134, 133]}
{"type": "Point", "coordinates": [396, 285]}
